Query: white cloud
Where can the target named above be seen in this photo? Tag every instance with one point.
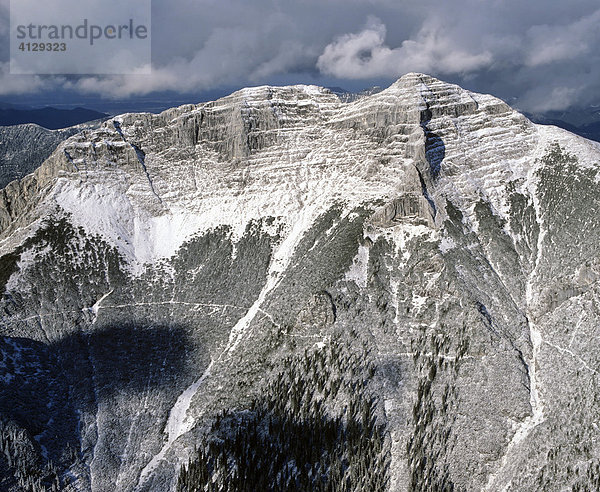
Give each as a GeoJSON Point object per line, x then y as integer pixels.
{"type": "Point", "coordinates": [19, 84]}
{"type": "Point", "coordinates": [556, 43]}
{"type": "Point", "coordinates": [365, 54]}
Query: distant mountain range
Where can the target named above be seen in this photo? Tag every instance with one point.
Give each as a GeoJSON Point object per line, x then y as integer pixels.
{"type": "Point", "coordinates": [589, 130]}
{"type": "Point", "coordinates": [48, 117]}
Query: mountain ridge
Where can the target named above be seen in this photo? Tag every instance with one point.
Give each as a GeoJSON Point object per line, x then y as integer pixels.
{"type": "Point", "coordinates": [424, 225]}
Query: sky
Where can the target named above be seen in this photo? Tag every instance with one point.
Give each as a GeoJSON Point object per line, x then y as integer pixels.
{"type": "Point", "coordinates": [539, 55]}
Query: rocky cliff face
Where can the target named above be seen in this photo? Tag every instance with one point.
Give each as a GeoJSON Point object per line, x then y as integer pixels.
{"type": "Point", "coordinates": [415, 272]}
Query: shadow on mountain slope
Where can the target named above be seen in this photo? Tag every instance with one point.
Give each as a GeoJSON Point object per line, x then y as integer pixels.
{"type": "Point", "coordinates": [45, 388]}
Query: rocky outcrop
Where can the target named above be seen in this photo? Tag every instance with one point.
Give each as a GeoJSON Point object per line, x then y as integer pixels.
{"type": "Point", "coordinates": [409, 207]}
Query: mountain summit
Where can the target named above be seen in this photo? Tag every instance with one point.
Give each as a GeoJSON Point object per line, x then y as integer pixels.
{"type": "Point", "coordinates": [281, 291]}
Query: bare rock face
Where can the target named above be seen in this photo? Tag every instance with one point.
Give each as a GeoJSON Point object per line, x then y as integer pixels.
{"type": "Point", "coordinates": [410, 206]}
{"type": "Point", "coordinates": [412, 275]}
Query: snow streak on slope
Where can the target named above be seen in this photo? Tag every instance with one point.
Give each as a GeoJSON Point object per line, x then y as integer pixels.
{"type": "Point", "coordinates": [536, 401]}
{"type": "Point", "coordinates": [179, 422]}
{"type": "Point", "coordinates": [109, 212]}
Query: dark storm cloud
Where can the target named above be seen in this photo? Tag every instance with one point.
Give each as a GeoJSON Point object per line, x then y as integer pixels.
{"type": "Point", "coordinates": [542, 52]}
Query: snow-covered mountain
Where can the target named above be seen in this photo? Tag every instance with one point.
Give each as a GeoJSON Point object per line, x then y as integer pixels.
{"type": "Point", "coordinates": [406, 284]}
